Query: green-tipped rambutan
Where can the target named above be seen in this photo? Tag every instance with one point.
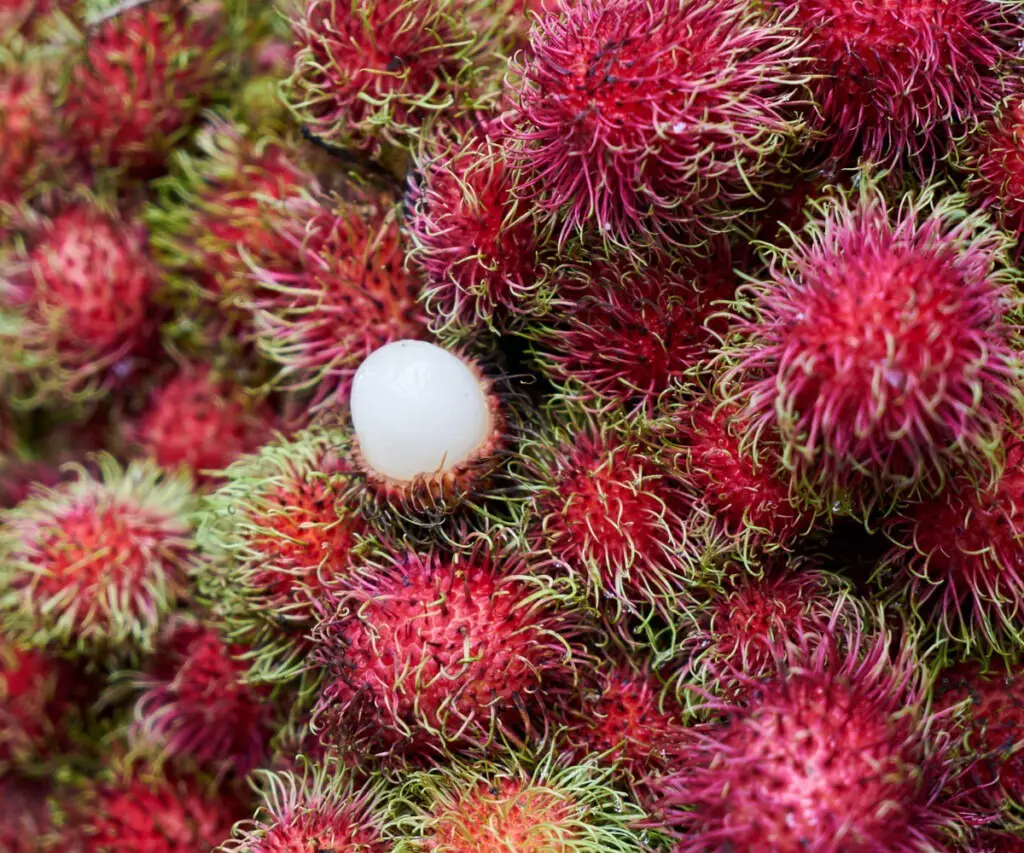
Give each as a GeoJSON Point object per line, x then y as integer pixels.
{"type": "Point", "coordinates": [880, 348]}
{"type": "Point", "coordinates": [320, 809]}
{"type": "Point", "coordinates": [633, 116]}
{"type": "Point", "coordinates": [94, 564]}
{"type": "Point", "coordinates": [195, 704]}
{"type": "Point", "coordinates": [433, 653]}
{"type": "Point", "coordinates": [894, 82]}
{"type": "Point", "coordinates": [839, 751]}
{"type": "Point", "coordinates": [277, 533]}
{"type": "Point", "coordinates": [528, 806]}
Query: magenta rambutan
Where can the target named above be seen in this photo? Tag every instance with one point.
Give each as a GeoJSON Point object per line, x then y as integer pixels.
{"type": "Point", "coordinates": [635, 115]}
{"type": "Point", "coordinates": [893, 81]}
{"type": "Point", "coordinates": [140, 81]}
{"type": "Point", "coordinates": [431, 653]}
{"type": "Point", "coordinates": [26, 117]}
{"type": "Point", "coordinates": [374, 71]}
{"type": "Point", "coordinates": [321, 809]}
{"type": "Point", "coordinates": [837, 752]}
{"type": "Point", "coordinates": [476, 246]}
{"type": "Point", "coordinates": [77, 305]}
{"type": "Point", "coordinates": [880, 349]}
{"type": "Point", "coordinates": [195, 703]}
{"type": "Point", "coordinates": [94, 564]}
{"type": "Point", "coordinates": [278, 533]}
{"type": "Point", "coordinates": [202, 422]}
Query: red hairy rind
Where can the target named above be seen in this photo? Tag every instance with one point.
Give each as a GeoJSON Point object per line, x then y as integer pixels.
{"type": "Point", "coordinates": [195, 704]}
{"type": "Point", "coordinates": [837, 754]}
{"type": "Point", "coordinates": [348, 295]}
{"type": "Point", "coordinates": [32, 701]}
{"type": "Point", "coordinates": [634, 115]}
{"type": "Point", "coordinates": [895, 81]}
{"type": "Point", "coordinates": [958, 560]}
{"type": "Point", "coordinates": [374, 72]}
{"type": "Point", "coordinates": [880, 348]}
{"type": "Point", "coordinates": [995, 163]}
{"type": "Point", "coordinates": [320, 809]}
{"type": "Point", "coordinates": [25, 819]}
{"type": "Point", "coordinates": [96, 563]}
{"type": "Point", "coordinates": [28, 149]}
{"type": "Point", "coordinates": [428, 654]}
{"type": "Point", "coordinates": [476, 245]}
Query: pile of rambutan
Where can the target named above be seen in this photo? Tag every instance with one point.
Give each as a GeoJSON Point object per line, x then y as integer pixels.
{"type": "Point", "coordinates": [511, 426]}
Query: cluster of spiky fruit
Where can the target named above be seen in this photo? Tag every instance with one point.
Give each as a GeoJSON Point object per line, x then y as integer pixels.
{"type": "Point", "coordinates": [511, 426]}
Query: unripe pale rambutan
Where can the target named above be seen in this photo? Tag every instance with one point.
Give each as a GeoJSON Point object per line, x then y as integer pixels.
{"type": "Point", "coordinates": [747, 501]}
{"type": "Point", "coordinates": [958, 560]}
{"type": "Point", "coordinates": [881, 347]}
{"type": "Point", "coordinates": [201, 422]}
{"type": "Point", "coordinates": [431, 653]}
{"type": "Point", "coordinates": [635, 115]}
{"type": "Point", "coordinates": [627, 336]}
{"type": "Point", "coordinates": [893, 82]}
{"type": "Point", "coordinates": [76, 305]}
{"type": "Point", "coordinates": [544, 806]}
{"type": "Point", "coordinates": [839, 752]}
{"type": "Point", "coordinates": [139, 82]}
{"type": "Point", "coordinates": [94, 564]}
{"type": "Point", "coordinates": [320, 810]}
{"type": "Point", "coordinates": [349, 295]}
{"type": "Point", "coordinates": [476, 245]}
{"type": "Point", "coordinates": [195, 704]}
{"type": "Point", "coordinates": [374, 72]}
{"type": "Point", "coordinates": [602, 507]}
{"type": "Point", "coordinates": [277, 534]}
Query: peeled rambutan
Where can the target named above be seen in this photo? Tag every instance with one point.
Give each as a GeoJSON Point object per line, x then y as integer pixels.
{"type": "Point", "coordinates": [477, 247]}
{"type": "Point", "coordinates": [958, 559]}
{"type": "Point", "coordinates": [880, 349]}
{"type": "Point", "coordinates": [139, 82]}
{"type": "Point", "coordinates": [94, 564]}
{"type": "Point", "coordinates": [321, 809]}
{"type": "Point", "coordinates": [348, 295]}
{"type": "Point", "coordinates": [201, 422]}
{"type": "Point", "coordinates": [837, 752]}
{"type": "Point", "coordinates": [374, 72]}
{"type": "Point", "coordinates": [276, 534]}
{"type": "Point", "coordinates": [603, 507]}
{"type": "Point", "coordinates": [894, 82]}
{"type": "Point", "coordinates": [634, 115]}
{"type": "Point", "coordinates": [75, 305]}
{"type": "Point", "coordinates": [194, 702]}
{"type": "Point", "coordinates": [431, 653]}
{"type": "Point", "coordinates": [530, 807]}
{"type": "Point", "coordinates": [627, 336]}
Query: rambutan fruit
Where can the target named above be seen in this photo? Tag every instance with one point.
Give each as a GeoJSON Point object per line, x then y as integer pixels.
{"type": "Point", "coordinates": [880, 349]}
{"type": "Point", "coordinates": [202, 422]}
{"type": "Point", "coordinates": [429, 653]}
{"type": "Point", "coordinates": [321, 809]}
{"type": "Point", "coordinates": [94, 564]}
{"type": "Point", "coordinates": [348, 295]}
{"type": "Point", "coordinates": [26, 117]}
{"type": "Point", "coordinates": [194, 702]}
{"type": "Point", "coordinates": [895, 82]}
{"type": "Point", "coordinates": [628, 336]}
{"type": "Point", "coordinates": [603, 507]}
{"type": "Point", "coordinates": [368, 73]}
{"type": "Point", "coordinates": [632, 116]}
{"type": "Point", "coordinates": [77, 305]}
{"type": "Point", "coordinates": [25, 820]}
{"type": "Point", "coordinates": [958, 560]}
{"type": "Point", "coordinates": [276, 534]}
{"type": "Point", "coordinates": [477, 247]}
{"type": "Point", "coordinates": [139, 82]}
{"type": "Point", "coordinates": [542, 806]}
{"type": "Point", "coordinates": [838, 752]}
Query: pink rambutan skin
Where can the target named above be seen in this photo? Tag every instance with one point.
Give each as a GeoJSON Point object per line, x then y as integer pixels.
{"type": "Point", "coordinates": [881, 347]}
{"type": "Point", "coordinates": [995, 160]}
{"type": "Point", "coordinates": [25, 820]}
{"type": "Point", "coordinates": [431, 655]}
{"type": "Point", "coordinates": [33, 695]}
{"type": "Point", "coordinates": [632, 115]}
{"type": "Point", "coordinates": [25, 114]}
{"type": "Point", "coordinates": [894, 81]}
